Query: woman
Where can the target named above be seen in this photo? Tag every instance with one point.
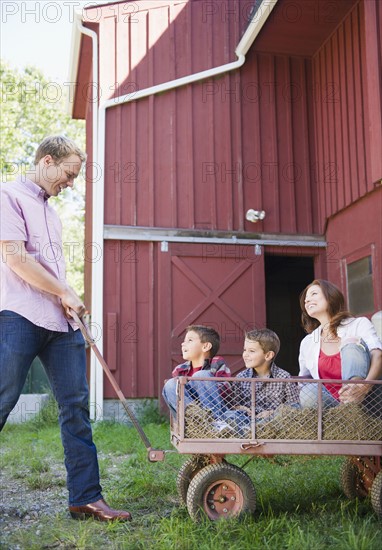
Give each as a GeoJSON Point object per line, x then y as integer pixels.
{"type": "Point", "coordinates": [338, 346]}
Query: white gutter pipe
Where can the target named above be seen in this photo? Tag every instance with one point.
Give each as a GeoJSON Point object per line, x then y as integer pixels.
{"type": "Point", "coordinates": [96, 307]}
{"type": "Point", "coordinates": [255, 26]}
{"type": "Point", "coordinates": [98, 191]}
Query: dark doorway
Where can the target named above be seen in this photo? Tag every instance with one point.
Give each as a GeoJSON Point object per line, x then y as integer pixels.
{"type": "Point", "coordinates": [285, 278]}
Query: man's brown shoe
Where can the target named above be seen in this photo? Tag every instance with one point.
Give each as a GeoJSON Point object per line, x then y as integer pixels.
{"type": "Point", "coordinates": [99, 510]}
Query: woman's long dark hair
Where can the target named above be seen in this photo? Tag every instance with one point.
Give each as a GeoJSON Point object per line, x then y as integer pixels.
{"type": "Point", "coordinates": [336, 307]}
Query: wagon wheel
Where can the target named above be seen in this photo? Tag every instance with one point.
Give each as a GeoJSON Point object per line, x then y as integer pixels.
{"type": "Point", "coordinates": [220, 490]}
{"type": "Point", "coordinates": [352, 480]}
{"type": "Point", "coordinates": [376, 494]}
{"type": "Point", "coordinates": [187, 471]}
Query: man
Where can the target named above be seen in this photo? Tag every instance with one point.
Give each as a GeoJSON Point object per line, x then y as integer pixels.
{"type": "Point", "coordinates": [35, 304]}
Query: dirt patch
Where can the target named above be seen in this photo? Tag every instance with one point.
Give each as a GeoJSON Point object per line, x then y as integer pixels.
{"type": "Point", "coordinates": [29, 509]}
{"type": "Point", "coordinates": [22, 508]}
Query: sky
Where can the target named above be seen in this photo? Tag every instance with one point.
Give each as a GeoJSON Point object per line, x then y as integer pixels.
{"type": "Point", "coordinates": [39, 33]}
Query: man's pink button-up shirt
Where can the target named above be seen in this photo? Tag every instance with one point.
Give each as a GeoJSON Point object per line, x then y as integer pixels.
{"type": "Point", "coordinates": [27, 216]}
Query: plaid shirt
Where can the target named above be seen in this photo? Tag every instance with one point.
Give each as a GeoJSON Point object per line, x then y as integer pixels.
{"type": "Point", "coordinates": [216, 366]}
{"type": "Point", "coordinates": [268, 395]}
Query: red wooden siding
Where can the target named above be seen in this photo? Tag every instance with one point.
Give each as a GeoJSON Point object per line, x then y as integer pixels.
{"type": "Point", "coordinates": [362, 237]}
{"type": "Point", "coordinates": [201, 156]}
{"type": "Point", "coordinates": [371, 59]}
{"type": "Point", "coordinates": [347, 108]}
{"type": "Point", "coordinates": [299, 27]}
{"type": "Point", "coordinates": [277, 142]}
{"type": "Point", "coordinates": [129, 317]}
{"type": "Point", "coordinates": [296, 132]}
{"type": "Point", "coordinates": [214, 285]}
{"type": "Point", "coordinates": [217, 285]}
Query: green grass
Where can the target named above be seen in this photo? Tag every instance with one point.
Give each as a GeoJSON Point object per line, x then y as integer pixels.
{"type": "Point", "coordinates": [299, 500]}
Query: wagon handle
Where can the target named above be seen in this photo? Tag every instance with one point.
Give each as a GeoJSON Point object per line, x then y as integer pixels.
{"type": "Point", "coordinates": [154, 455]}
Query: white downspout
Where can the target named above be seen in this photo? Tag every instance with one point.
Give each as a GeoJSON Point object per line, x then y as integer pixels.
{"type": "Point", "coordinates": [96, 305]}
{"type": "Point", "coordinates": [96, 381]}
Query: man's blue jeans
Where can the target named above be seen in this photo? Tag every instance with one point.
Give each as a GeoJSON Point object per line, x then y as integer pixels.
{"type": "Point", "coordinates": [63, 357]}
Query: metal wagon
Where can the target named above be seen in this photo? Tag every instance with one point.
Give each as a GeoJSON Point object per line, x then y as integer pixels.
{"type": "Point", "coordinates": [209, 485]}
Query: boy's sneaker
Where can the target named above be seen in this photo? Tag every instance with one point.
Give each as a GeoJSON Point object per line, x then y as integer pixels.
{"type": "Point", "coordinates": [223, 429]}
{"type": "Point", "coordinates": [220, 425]}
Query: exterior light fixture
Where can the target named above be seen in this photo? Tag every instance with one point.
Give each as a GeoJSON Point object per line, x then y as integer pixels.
{"type": "Point", "coordinates": [254, 215]}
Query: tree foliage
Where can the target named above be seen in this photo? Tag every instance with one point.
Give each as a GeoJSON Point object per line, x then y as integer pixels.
{"type": "Point", "coordinates": [32, 107]}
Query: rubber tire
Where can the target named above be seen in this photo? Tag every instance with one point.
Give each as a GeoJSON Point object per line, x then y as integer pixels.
{"type": "Point", "coordinates": [221, 477]}
{"type": "Point", "coordinates": [186, 473]}
{"type": "Point", "coordinates": [351, 481]}
{"type": "Point", "coordinates": [376, 494]}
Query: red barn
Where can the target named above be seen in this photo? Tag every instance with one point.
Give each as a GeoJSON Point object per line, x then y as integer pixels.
{"type": "Point", "coordinates": [235, 154]}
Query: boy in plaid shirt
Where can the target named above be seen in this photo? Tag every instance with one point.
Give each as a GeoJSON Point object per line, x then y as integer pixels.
{"type": "Point", "coordinates": [260, 350]}
{"type": "Point", "coordinates": [199, 350]}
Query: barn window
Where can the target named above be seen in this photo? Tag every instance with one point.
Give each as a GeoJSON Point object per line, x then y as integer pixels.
{"type": "Point", "coordinates": [360, 286]}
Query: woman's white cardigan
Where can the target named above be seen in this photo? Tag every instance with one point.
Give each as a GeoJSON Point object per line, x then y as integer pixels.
{"type": "Point", "coordinates": [359, 327]}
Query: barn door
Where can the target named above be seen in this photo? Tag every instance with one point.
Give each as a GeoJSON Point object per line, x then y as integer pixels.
{"type": "Point", "coordinates": [216, 285]}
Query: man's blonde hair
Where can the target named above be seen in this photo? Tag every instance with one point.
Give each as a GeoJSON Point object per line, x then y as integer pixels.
{"type": "Point", "coordinates": [59, 148]}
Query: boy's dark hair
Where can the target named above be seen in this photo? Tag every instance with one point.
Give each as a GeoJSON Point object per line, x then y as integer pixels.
{"type": "Point", "coordinates": [207, 334]}
{"type": "Point", "coordinates": [268, 340]}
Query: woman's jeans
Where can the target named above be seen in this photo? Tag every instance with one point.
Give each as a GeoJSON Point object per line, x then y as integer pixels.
{"type": "Point", "coordinates": [355, 362]}
{"type": "Point", "coordinates": [63, 357]}
{"type": "Point", "coordinates": [206, 392]}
